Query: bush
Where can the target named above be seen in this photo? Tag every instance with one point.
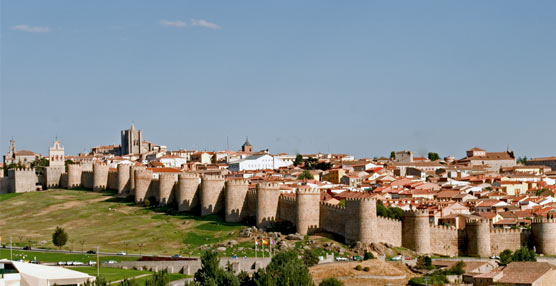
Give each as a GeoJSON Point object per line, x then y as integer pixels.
{"type": "Point", "coordinates": [358, 268]}
{"type": "Point", "coordinates": [506, 257]}
{"type": "Point", "coordinates": [524, 254]}
{"type": "Point", "coordinates": [457, 269]}
{"type": "Point", "coordinates": [368, 255]}
{"type": "Point", "coordinates": [310, 257]}
{"type": "Point", "coordinates": [424, 262]}
{"type": "Point", "coordinates": [331, 282]}
{"type": "Point", "coordinates": [159, 278]}
{"type": "Point", "coordinates": [285, 269]}
{"type": "Point", "coordinates": [366, 269]}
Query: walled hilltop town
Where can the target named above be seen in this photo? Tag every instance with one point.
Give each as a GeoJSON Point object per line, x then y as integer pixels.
{"type": "Point", "coordinates": [478, 205]}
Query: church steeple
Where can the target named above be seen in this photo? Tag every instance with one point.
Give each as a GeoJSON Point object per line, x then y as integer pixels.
{"type": "Point", "coordinates": [246, 147]}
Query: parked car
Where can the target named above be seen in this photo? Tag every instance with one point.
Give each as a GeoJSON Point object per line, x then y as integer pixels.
{"type": "Point", "coordinates": [112, 261]}
{"type": "Point", "coordinates": [76, 263]}
{"type": "Point", "coordinates": [341, 259]}
{"type": "Point", "coordinates": [61, 263]}
{"type": "Point", "coordinates": [92, 262]}
{"type": "Point", "coordinates": [176, 256]}
{"type": "Point", "coordinates": [396, 258]}
{"type": "Point", "coordinates": [91, 252]}
{"type": "Point", "coordinates": [27, 247]}
{"type": "Point", "coordinates": [121, 253]}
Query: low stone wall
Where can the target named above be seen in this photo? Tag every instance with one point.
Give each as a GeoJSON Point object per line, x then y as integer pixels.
{"type": "Point", "coordinates": [189, 267]}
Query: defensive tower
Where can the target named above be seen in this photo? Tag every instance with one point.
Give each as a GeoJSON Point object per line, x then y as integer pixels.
{"type": "Point", "coordinates": [143, 180]}
{"type": "Point", "coordinates": [236, 200]}
{"type": "Point", "coordinates": [544, 232]}
{"type": "Point", "coordinates": [416, 231]}
{"type": "Point", "coordinates": [166, 185]}
{"type": "Point", "coordinates": [187, 194]}
{"type": "Point", "coordinates": [212, 194]}
{"type": "Point", "coordinates": [74, 176]}
{"type": "Point", "coordinates": [361, 223]}
{"type": "Point", "coordinates": [123, 178]}
{"type": "Point", "coordinates": [308, 210]}
{"type": "Point", "coordinates": [268, 195]}
{"type": "Point", "coordinates": [100, 176]}
{"type": "Point", "coordinates": [478, 237]}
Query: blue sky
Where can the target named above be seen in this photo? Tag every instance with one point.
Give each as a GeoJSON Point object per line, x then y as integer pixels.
{"type": "Point", "coordinates": [358, 77]}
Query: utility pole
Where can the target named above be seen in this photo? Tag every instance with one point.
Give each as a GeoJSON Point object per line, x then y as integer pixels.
{"type": "Point", "coordinates": [11, 249]}
{"type": "Point", "coordinates": [98, 264]}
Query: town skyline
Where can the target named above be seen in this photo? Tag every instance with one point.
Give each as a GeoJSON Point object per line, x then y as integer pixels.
{"type": "Point", "coordinates": [297, 81]}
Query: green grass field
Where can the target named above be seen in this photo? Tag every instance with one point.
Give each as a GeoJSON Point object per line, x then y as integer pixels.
{"type": "Point", "coordinates": [116, 274]}
{"type": "Point", "coordinates": [98, 219]}
{"type": "Point", "coordinates": [57, 257]}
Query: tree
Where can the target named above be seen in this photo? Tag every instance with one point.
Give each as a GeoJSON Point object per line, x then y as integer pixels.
{"type": "Point", "coordinates": [424, 262]}
{"type": "Point", "coordinates": [433, 156]}
{"type": "Point", "coordinates": [310, 257]}
{"type": "Point", "coordinates": [128, 282]}
{"type": "Point", "coordinates": [393, 155]}
{"type": "Point", "coordinates": [524, 254]}
{"type": "Point", "coordinates": [368, 255]}
{"type": "Point", "coordinates": [39, 165]}
{"type": "Point", "coordinates": [211, 274]}
{"type": "Point", "coordinates": [506, 257]}
{"type": "Point", "coordinates": [522, 160]}
{"type": "Point", "coordinates": [285, 269]}
{"type": "Point", "coordinates": [59, 237]}
{"type": "Point", "coordinates": [159, 278]}
{"type": "Point", "coordinates": [457, 269]}
{"type": "Point", "coordinates": [305, 175]}
{"type": "Point", "coordinates": [331, 282]}
{"type": "Point", "coordinates": [298, 160]}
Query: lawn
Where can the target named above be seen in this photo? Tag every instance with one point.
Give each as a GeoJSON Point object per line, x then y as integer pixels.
{"type": "Point", "coordinates": [94, 219]}
{"type": "Point", "coordinates": [116, 274]}
{"type": "Point", "coordinates": [56, 257]}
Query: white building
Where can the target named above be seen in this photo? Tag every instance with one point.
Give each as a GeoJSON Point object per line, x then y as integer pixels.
{"type": "Point", "coordinates": [172, 161]}
{"type": "Point", "coordinates": [258, 162]}
{"type": "Point", "coordinates": [14, 273]}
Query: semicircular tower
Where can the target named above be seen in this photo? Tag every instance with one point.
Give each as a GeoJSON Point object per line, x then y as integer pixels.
{"type": "Point", "coordinates": [308, 210]}
{"type": "Point", "coordinates": [100, 176]}
{"type": "Point", "coordinates": [416, 231]}
{"type": "Point", "coordinates": [236, 200]}
{"type": "Point", "coordinates": [143, 180]}
{"type": "Point", "coordinates": [187, 194]}
{"type": "Point", "coordinates": [268, 195]}
{"type": "Point", "coordinates": [212, 194]}
{"type": "Point", "coordinates": [74, 175]}
{"type": "Point", "coordinates": [478, 237]}
{"type": "Point", "coordinates": [123, 178]}
{"type": "Point", "coordinates": [544, 233]}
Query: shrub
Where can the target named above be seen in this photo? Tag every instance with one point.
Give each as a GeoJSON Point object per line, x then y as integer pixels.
{"type": "Point", "coordinates": [331, 282]}
{"type": "Point", "coordinates": [310, 257]}
{"type": "Point", "coordinates": [358, 268]}
{"type": "Point", "coordinates": [368, 255]}
{"type": "Point", "coordinates": [366, 269]}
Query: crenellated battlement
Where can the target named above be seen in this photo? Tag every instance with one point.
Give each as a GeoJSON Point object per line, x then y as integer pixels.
{"type": "Point", "coordinates": [477, 221]}
{"type": "Point", "coordinates": [509, 230]}
{"type": "Point", "coordinates": [206, 177]}
{"type": "Point", "coordinates": [389, 219]}
{"type": "Point", "coordinates": [237, 182]}
{"type": "Point", "coordinates": [288, 199]}
{"type": "Point", "coordinates": [419, 212]}
{"type": "Point", "coordinates": [443, 227]}
{"type": "Point", "coordinates": [332, 206]}
{"type": "Point", "coordinates": [165, 176]}
{"type": "Point", "coordinates": [308, 191]}
{"type": "Point", "coordinates": [268, 186]}
{"type": "Point", "coordinates": [543, 220]}
{"type": "Point", "coordinates": [182, 176]}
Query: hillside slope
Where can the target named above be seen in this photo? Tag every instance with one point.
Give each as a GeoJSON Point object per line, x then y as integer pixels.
{"type": "Point", "coordinates": [100, 219]}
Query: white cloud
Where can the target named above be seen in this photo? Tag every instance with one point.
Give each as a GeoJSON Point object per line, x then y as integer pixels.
{"type": "Point", "coordinates": [175, 24]}
{"type": "Point", "coordinates": [205, 24]}
{"type": "Point", "coordinates": [31, 29]}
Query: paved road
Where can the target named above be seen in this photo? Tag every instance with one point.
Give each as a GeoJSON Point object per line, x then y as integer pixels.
{"type": "Point", "coordinates": [180, 282]}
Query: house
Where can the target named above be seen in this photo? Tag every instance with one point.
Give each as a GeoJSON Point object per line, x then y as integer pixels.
{"type": "Point", "coordinates": [258, 162]}
{"type": "Point", "coordinates": [519, 274]}
{"type": "Point", "coordinates": [493, 161]}
{"type": "Point", "coordinates": [15, 273]}
{"type": "Point", "coordinates": [172, 161]}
